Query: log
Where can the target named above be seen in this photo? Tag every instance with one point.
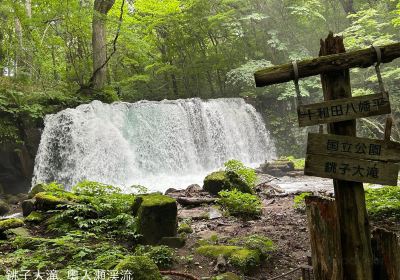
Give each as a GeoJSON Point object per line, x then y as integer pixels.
{"type": "Point", "coordinates": [327, 63]}
{"type": "Point", "coordinates": [194, 201]}
{"type": "Point", "coordinates": [350, 197]}
{"type": "Point", "coordinates": [324, 237]}
{"type": "Point", "coordinates": [386, 249]}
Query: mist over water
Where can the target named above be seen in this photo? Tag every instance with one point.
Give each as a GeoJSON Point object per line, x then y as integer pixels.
{"type": "Point", "coordinates": [155, 144]}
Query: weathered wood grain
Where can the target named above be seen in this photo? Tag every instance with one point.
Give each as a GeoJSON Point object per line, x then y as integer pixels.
{"type": "Point", "coordinates": [343, 109]}
{"type": "Point", "coordinates": [324, 238]}
{"type": "Point", "coordinates": [386, 248]}
{"type": "Point", "coordinates": [353, 147]}
{"type": "Point", "coordinates": [327, 63]}
{"type": "Point", "coordinates": [344, 168]}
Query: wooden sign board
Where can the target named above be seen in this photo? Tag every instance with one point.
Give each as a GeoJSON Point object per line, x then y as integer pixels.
{"type": "Point", "coordinates": [343, 109]}
{"type": "Point", "coordinates": [353, 147]}
{"type": "Point", "coordinates": [344, 168]}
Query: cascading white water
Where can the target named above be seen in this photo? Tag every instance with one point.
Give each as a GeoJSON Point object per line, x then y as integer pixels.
{"type": "Point", "coordinates": [155, 144]}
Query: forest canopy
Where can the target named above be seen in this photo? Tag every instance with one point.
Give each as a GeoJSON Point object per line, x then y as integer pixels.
{"type": "Point", "coordinates": [169, 49]}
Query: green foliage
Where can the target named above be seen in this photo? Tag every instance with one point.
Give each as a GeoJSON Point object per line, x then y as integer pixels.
{"type": "Point", "coordinates": [299, 203]}
{"type": "Point", "coordinates": [262, 244]}
{"type": "Point", "coordinates": [10, 223]}
{"type": "Point", "coordinates": [247, 174]}
{"type": "Point", "coordinates": [185, 228]}
{"type": "Point", "coordinates": [162, 256]}
{"type": "Point", "coordinates": [240, 204]}
{"type": "Point", "coordinates": [383, 202]}
{"type": "Point", "coordinates": [141, 267]}
{"type": "Point", "coordinates": [99, 209]}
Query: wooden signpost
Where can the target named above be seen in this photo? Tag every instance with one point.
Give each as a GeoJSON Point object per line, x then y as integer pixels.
{"type": "Point", "coordinates": [341, 155]}
{"type": "Point", "coordinates": [343, 109]}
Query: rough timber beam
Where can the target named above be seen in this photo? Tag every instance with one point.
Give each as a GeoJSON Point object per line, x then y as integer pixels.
{"type": "Point", "coordinates": [360, 58]}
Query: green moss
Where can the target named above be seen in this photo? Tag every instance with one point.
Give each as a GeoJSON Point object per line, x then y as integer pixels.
{"type": "Point", "coordinates": [225, 180]}
{"type": "Point", "coordinates": [142, 268]}
{"type": "Point", "coordinates": [157, 218]}
{"type": "Point", "coordinates": [214, 251]}
{"type": "Point", "coordinates": [10, 223]}
{"type": "Point", "coordinates": [240, 257]}
{"type": "Point", "coordinates": [185, 228]}
{"type": "Point", "coordinates": [156, 200]}
{"type": "Point", "coordinates": [215, 182]}
{"type": "Point", "coordinates": [36, 189]}
{"type": "Point", "coordinates": [245, 259]}
{"type": "Point", "coordinates": [35, 217]}
{"type": "Point", "coordinates": [46, 201]}
{"type": "Point", "coordinates": [262, 244]}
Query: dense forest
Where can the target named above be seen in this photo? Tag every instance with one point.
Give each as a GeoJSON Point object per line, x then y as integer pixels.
{"type": "Point", "coordinates": [55, 54]}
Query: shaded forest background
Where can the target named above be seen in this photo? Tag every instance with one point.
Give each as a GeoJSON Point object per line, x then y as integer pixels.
{"type": "Point", "coordinates": [58, 54]}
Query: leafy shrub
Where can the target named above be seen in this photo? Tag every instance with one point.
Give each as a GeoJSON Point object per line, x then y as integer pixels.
{"type": "Point", "coordinates": [240, 204]}
{"type": "Point", "coordinates": [247, 174]}
{"type": "Point", "coordinates": [162, 256]}
{"type": "Point", "coordinates": [185, 228]}
{"type": "Point", "coordinates": [262, 244]}
{"type": "Point", "coordinates": [99, 208]}
{"type": "Point", "coordinates": [299, 203]}
{"type": "Point", "coordinates": [383, 202]}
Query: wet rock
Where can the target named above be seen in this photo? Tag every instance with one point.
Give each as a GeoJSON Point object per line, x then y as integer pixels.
{"type": "Point", "coordinates": [193, 190]}
{"type": "Point", "coordinates": [277, 167]}
{"type": "Point", "coordinates": [45, 202]}
{"type": "Point", "coordinates": [193, 214]}
{"type": "Point", "coordinates": [157, 218]}
{"type": "Point", "coordinates": [4, 208]}
{"type": "Point", "coordinates": [35, 190]}
{"type": "Point", "coordinates": [28, 206]}
{"type": "Point", "coordinates": [269, 189]}
{"type": "Point", "coordinates": [9, 224]}
{"type": "Point", "coordinates": [171, 190]}
{"type": "Point", "coordinates": [214, 213]}
{"type": "Point", "coordinates": [221, 180]}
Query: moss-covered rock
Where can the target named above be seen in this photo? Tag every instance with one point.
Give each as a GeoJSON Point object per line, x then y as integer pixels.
{"type": "Point", "coordinates": [226, 276]}
{"type": "Point", "coordinates": [4, 208]}
{"type": "Point", "coordinates": [240, 257]}
{"type": "Point", "coordinates": [35, 190]}
{"type": "Point", "coordinates": [216, 182]}
{"type": "Point", "coordinates": [10, 223]}
{"type": "Point", "coordinates": [157, 218]}
{"type": "Point", "coordinates": [262, 244]}
{"type": "Point", "coordinates": [185, 228]}
{"type": "Point", "coordinates": [35, 217]}
{"type": "Point", "coordinates": [28, 206]}
{"type": "Point", "coordinates": [222, 180]}
{"type": "Point", "coordinates": [45, 201]}
{"type": "Point", "coordinates": [142, 268]}
{"type": "Point", "coordinates": [245, 259]}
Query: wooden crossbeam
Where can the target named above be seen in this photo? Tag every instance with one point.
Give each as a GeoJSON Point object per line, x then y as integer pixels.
{"type": "Point", "coordinates": [335, 62]}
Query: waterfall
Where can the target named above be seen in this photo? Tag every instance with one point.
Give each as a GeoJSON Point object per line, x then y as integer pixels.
{"type": "Point", "coordinates": [155, 144]}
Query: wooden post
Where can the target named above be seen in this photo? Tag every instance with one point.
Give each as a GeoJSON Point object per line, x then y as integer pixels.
{"type": "Point", "coordinates": [324, 238]}
{"type": "Point", "coordinates": [386, 249]}
{"type": "Point", "coordinates": [349, 196]}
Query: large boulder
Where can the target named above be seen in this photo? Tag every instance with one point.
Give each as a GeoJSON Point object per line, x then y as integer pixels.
{"type": "Point", "coordinates": [9, 224]}
{"type": "Point", "coordinates": [28, 206]}
{"type": "Point", "coordinates": [45, 202]}
{"type": "Point", "coordinates": [36, 189]}
{"type": "Point", "coordinates": [4, 208]}
{"type": "Point", "coordinates": [278, 167]}
{"type": "Point", "coordinates": [157, 218]}
{"type": "Point", "coordinates": [140, 267]}
{"type": "Point", "coordinates": [222, 180]}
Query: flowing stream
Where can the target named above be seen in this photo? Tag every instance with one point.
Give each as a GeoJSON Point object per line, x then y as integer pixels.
{"type": "Point", "coordinates": [155, 144]}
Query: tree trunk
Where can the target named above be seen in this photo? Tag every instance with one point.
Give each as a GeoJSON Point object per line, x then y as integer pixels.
{"type": "Point", "coordinates": [324, 238]}
{"type": "Point", "coordinates": [350, 197]}
{"type": "Point", "coordinates": [386, 248]}
{"type": "Point", "coordinates": [99, 41]}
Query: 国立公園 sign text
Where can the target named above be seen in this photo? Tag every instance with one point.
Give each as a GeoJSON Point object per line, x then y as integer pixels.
{"type": "Point", "coordinates": [343, 109]}
{"type": "Point", "coordinates": [354, 147]}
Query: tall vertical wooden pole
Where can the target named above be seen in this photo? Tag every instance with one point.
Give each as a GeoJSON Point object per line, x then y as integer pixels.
{"type": "Point", "coordinates": [349, 196]}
